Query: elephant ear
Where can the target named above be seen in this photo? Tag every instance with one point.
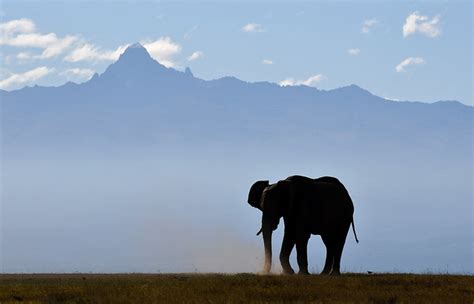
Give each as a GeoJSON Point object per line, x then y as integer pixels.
{"type": "Point", "coordinates": [255, 193]}
{"type": "Point", "coordinates": [287, 196]}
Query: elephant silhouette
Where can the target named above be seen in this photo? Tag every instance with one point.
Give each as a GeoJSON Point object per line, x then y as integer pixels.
{"type": "Point", "coordinates": [320, 206]}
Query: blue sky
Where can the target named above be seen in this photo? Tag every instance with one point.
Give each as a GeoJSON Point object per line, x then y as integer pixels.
{"type": "Point", "coordinates": [405, 51]}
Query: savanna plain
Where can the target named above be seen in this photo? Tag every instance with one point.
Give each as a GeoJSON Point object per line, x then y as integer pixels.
{"type": "Point", "coordinates": [235, 288]}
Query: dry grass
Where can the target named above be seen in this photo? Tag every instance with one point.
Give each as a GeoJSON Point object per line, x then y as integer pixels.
{"type": "Point", "coordinates": [240, 288]}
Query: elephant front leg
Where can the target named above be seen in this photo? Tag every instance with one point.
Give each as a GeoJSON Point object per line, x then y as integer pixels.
{"type": "Point", "coordinates": [286, 248]}
{"type": "Point", "coordinates": [302, 253]}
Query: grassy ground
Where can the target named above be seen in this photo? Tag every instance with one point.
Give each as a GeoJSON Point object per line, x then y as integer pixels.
{"type": "Point", "coordinates": [240, 288]}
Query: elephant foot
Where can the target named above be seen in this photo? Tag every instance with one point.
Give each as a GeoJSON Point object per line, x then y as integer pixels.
{"type": "Point", "coordinates": [335, 273]}
{"type": "Point", "coordinates": [265, 271]}
{"type": "Point", "coordinates": [303, 272]}
{"type": "Point", "coordinates": [288, 271]}
{"type": "Point", "coordinates": [325, 272]}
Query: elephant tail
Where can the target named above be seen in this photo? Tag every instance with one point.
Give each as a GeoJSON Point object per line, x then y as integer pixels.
{"type": "Point", "coordinates": [354, 230]}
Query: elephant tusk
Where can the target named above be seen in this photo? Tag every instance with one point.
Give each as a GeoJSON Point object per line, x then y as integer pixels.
{"type": "Point", "coordinates": [260, 231]}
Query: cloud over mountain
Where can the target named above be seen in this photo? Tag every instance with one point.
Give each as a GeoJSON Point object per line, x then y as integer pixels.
{"type": "Point", "coordinates": [20, 79]}
{"type": "Point", "coordinates": [311, 81]}
{"type": "Point", "coordinates": [407, 62]}
{"type": "Point", "coordinates": [22, 33]}
{"type": "Point", "coordinates": [89, 52]}
{"type": "Point", "coordinates": [163, 50]}
{"type": "Point", "coordinates": [195, 56]}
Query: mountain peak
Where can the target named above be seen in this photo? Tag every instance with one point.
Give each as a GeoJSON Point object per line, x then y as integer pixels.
{"type": "Point", "coordinates": [188, 72]}
{"type": "Point", "coordinates": [136, 45]}
{"type": "Point", "coordinates": [353, 89]}
{"type": "Point", "coordinates": [135, 67]}
{"type": "Point", "coordinates": [134, 60]}
{"type": "Point", "coordinates": [135, 52]}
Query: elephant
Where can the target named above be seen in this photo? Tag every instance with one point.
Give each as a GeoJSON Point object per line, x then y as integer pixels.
{"type": "Point", "coordinates": [320, 206]}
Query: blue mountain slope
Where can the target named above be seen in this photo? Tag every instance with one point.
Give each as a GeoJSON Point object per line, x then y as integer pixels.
{"type": "Point", "coordinates": [143, 93]}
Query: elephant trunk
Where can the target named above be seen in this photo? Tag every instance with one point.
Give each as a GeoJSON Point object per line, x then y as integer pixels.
{"type": "Point", "coordinates": [267, 241]}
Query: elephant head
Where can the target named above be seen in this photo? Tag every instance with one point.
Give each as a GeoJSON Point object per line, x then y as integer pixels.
{"type": "Point", "coordinates": [274, 201]}
{"type": "Point", "coordinates": [255, 193]}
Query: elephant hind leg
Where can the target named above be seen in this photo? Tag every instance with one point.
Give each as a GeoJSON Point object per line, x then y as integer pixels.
{"type": "Point", "coordinates": [336, 267]}
{"type": "Point", "coordinates": [338, 246]}
{"type": "Point", "coordinates": [329, 256]}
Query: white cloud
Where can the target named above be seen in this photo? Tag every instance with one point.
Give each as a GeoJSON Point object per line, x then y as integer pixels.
{"type": "Point", "coordinates": [12, 27]}
{"type": "Point", "coordinates": [311, 81]}
{"type": "Point", "coordinates": [287, 82]}
{"type": "Point", "coordinates": [267, 61]}
{"type": "Point", "coordinates": [408, 61]}
{"type": "Point", "coordinates": [354, 52]}
{"type": "Point", "coordinates": [89, 52]}
{"type": "Point", "coordinates": [196, 55]}
{"type": "Point", "coordinates": [368, 25]}
{"type": "Point", "coordinates": [24, 78]}
{"type": "Point", "coordinates": [24, 56]}
{"type": "Point", "coordinates": [34, 40]}
{"type": "Point", "coordinates": [252, 28]}
{"type": "Point", "coordinates": [421, 24]}
{"type": "Point", "coordinates": [22, 33]}
{"type": "Point", "coordinates": [163, 50]}
{"type": "Point", "coordinates": [78, 74]}
{"type": "Point", "coordinates": [58, 47]}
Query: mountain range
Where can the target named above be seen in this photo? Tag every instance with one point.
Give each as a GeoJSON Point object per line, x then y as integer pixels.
{"type": "Point", "coordinates": [137, 92]}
